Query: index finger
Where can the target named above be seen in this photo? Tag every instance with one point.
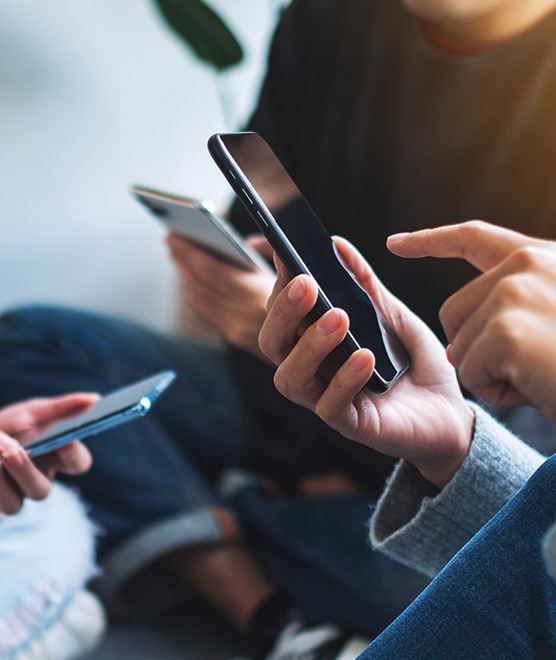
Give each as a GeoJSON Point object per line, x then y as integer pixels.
{"type": "Point", "coordinates": [479, 243]}
{"type": "Point", "coordinates": [285, 316]}
{"type": "Point", "coordinates": [31, 416]}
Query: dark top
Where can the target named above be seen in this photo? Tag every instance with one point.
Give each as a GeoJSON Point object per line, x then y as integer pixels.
{"type": "Point", "coordinates": [382, 133]}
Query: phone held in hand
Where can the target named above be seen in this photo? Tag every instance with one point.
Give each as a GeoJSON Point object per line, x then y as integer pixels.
{"type": "Point", "coordinates": [118, 407]}
{"type": "Point", "coordinates": [304, 245]}
{"type": "Point", "coordinates": [197, 222]}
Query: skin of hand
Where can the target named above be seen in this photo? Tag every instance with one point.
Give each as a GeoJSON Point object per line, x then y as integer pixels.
{"type": "Point", "coordinates": [233, 299]}
{"type": "Point", "coordinates": [422, 418]}
{"type": "Point", "coordinates": [20, 477]}
{"type": "Point", "coordinates": [502, 325]}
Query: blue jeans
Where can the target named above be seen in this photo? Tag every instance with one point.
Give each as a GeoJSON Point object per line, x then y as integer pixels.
{"type": "Point", "coordinates": [495, 598]}
{"type": "Point", "coordinates": [154, 482]}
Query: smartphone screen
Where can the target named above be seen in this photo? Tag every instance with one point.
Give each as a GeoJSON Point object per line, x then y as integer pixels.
{"type": "Point", "coordinates": [115, 408]}
{"type": "Point", "coordinates": [305, 246]}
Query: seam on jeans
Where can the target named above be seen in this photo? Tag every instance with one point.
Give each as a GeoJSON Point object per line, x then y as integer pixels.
{"type": "Point", "coordinates": [150, 544]}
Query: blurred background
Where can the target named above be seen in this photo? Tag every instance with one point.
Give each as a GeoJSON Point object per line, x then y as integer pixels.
{"type": "Point", "coordinates": [96, 96]}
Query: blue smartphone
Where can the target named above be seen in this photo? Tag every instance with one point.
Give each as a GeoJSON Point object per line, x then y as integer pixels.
{"type": "Point", "coordinates": [118, 407]}
{"type": "Point", "coordinates": [304, 245]}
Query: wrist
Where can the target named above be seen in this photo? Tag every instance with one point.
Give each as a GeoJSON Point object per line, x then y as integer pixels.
{"type": "Point", "coordinates": [443, 469]}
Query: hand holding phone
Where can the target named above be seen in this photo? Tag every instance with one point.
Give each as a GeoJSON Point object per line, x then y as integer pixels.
{"type": "Point", "coordinates": [22, 478]}
{"type": "Point", "coordinates": [118, 407]}
{"type": "Point", "coordinates": [304, 246]}
{"type": "Point", "coordinates": [424, 419]}
{"type": "Point", "coordinates": [198, 223]}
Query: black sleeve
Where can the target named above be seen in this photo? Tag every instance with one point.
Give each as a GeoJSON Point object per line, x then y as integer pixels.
{"type": "Point", "coordinates": [288, 440]}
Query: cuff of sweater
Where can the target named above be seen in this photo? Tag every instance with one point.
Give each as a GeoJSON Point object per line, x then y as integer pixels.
{"type": "Point", "coordinates": [418, 525]}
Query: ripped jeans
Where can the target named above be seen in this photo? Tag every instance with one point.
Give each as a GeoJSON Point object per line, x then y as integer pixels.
{"type": "Point", "coordinates": [154, 486]}
{"type": "Point", "coordinates": [46, 556]}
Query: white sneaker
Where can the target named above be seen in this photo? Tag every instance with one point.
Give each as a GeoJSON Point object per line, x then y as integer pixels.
{"type": "Point", "coordinates": [80, 630]}
{"type": "Point", "coordinates": [299, 641]}
{"type": "Point", "coordinates": [322, 642]}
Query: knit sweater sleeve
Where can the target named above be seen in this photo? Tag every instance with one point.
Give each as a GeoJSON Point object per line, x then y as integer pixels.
{"type": "Point", "coordinates": [418, 525]}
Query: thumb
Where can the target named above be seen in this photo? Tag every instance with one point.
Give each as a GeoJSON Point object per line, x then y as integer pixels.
{"type": "Point", "coordinates": [419, 340]}
{"type": "Point", "coordinates": [479, 243]}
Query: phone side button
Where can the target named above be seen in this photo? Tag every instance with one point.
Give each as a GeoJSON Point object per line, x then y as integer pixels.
{"type": "Point", "coordinates": [247, 195]}
{"type": "Point", "coordinates": [265, 223]}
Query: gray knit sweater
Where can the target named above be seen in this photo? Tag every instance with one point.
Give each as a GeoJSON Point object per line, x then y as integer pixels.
{"type": "Point", "coordinates": [418, 525]}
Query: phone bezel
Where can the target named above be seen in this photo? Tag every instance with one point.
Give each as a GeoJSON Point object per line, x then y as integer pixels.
{"type": "Point", "coordinates": [76, 428]}
{"type": "Point", "coordinates": [264, 219]}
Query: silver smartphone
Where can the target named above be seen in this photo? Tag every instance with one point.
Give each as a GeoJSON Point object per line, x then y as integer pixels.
{"type": "Point", "coordinates": [305, 246]}
{"type": "Point", "coordinates": [118, 407]}
{"type": "Point", "coordinates": [198, 223]}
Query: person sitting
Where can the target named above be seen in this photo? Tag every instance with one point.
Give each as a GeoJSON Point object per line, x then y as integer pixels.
{"type": "Point", "coordinates": [392, 116]}
{"type": "Point", "coordinates": [469, 503]}
{"type": "Point", "coordinates": [46, 540]}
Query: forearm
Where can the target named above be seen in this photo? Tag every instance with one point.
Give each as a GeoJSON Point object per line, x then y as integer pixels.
{"type": "Point", "coordinates": [423, 527]}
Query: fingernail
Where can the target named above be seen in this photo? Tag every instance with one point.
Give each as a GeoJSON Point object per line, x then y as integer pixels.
{"type": "Point", "coordinates": [359, 362]}
{"type": "Point", "coordinates": [297, 290]}
{"type": "Point", "coordinates": [397, 237]}
{"type": "Point", "coordinates": [329, 323]}
{"type": "Point", "coordinates": [14, 457]}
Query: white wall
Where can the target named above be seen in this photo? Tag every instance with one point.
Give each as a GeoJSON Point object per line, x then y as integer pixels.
{"type": "Point", "coordinates": [96, 95]}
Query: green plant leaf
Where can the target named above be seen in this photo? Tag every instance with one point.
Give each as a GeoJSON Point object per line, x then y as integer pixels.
{"type": "Point", "coordinates": [203, 31]}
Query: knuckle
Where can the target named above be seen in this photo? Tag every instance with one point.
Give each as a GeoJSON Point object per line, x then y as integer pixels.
{"type": "Point", "coordinates": [264, 340]}
{"type": "Point", "coordinates": [506, 336]}
{"type": "Point", "coordinates": [445, 312]}
{"type": "Point", "coordinates": [324, 411]}
{"type": "Point", "coordinates": [271, 347]}
{"type": "Point", "coordinates": [264, 346]}
{"type": "Point", "coordinates": [427, 233]}
{"type": "Point", "coordinates": [471, 228]}
{"type": "Point", "coordinates": [283, 384]}
{"type": "Point", "coordinates": [535, 258]}
{"type": "Point", "coordinates": [472, 232]}
{"type": "Point", "coordinates": [527, 257]}
{"type": "Point", "coordinates": [291, 387]}
{"type": "Point", "coordinates": [270, 352]}
{"type": "Point", "coordinates": [281, 308]}
{"type": "Point", "coordinates": [448, 317]}
{"type": "Point", "coordinates": [511, 292]}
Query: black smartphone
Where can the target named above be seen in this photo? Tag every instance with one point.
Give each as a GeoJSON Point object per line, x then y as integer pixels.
{"type": "Point", "coordinates": [305, 246]}
{"type": "Point", "coordinates": [118, 407]}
